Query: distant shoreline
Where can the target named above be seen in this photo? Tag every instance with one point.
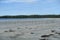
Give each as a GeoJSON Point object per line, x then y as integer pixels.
{"type": "Point", "coordinates": [32, 16]}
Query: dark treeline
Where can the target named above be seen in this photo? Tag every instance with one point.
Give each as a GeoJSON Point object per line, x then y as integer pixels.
{"type": "Point", "coordinates": [32, 16]}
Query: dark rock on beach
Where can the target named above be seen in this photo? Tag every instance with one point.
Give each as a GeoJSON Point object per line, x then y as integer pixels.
{"type": "Point", "coordinates": [5, 31]}
{"type": "Point", "coordinates": [31, 33]}
{"type": "Point", "coordinates": [42, 39]}
{"type": "Point", "coordinates": [52, 30]}
{"type": "Point", "coordinates": [18, 28]}
{"type": "Point", "coordinates": [45, 35]}
{"type": "Point", "coordinates": [10, 30]}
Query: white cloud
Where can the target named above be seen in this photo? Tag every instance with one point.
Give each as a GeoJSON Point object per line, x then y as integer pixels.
{"type": "Point", "coordinates": [7, 1]}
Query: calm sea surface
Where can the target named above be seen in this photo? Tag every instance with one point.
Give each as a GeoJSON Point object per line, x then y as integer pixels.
{"type": "Point", "coordinates": [22, 19]}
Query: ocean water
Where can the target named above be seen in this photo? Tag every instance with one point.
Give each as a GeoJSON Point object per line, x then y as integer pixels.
{"type": "Point", "coordinates": [27, 29]}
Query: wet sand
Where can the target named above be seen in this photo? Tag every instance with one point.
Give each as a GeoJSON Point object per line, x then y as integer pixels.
{"type": "Point", "coordinates": [27, 29]}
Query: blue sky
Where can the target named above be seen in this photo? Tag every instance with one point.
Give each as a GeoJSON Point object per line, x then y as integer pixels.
{"type": "Point", "coordinates": [29, 7]}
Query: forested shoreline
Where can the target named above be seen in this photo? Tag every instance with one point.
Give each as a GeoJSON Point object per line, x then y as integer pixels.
{"type": "Point", "coordinates": [32, 16]}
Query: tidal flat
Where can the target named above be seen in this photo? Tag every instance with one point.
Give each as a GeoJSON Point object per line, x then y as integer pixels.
{"type": "Point", "coordinates": [28, 29]}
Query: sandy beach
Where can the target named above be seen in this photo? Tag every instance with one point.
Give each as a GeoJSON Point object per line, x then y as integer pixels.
{"type": "Point", "coordinates": [27, 29]}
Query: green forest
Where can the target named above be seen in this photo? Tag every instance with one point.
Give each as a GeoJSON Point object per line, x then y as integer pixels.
{"type": "Point", "coordinates": [32, 16]}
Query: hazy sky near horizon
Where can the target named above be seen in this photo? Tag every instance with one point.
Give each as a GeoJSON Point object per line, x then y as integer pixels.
{"type": "Point", "coordinates": [29, 7]}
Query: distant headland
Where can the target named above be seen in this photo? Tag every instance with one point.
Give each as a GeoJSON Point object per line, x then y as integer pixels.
{"type": "Point", "coordinates": [32, 16]}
